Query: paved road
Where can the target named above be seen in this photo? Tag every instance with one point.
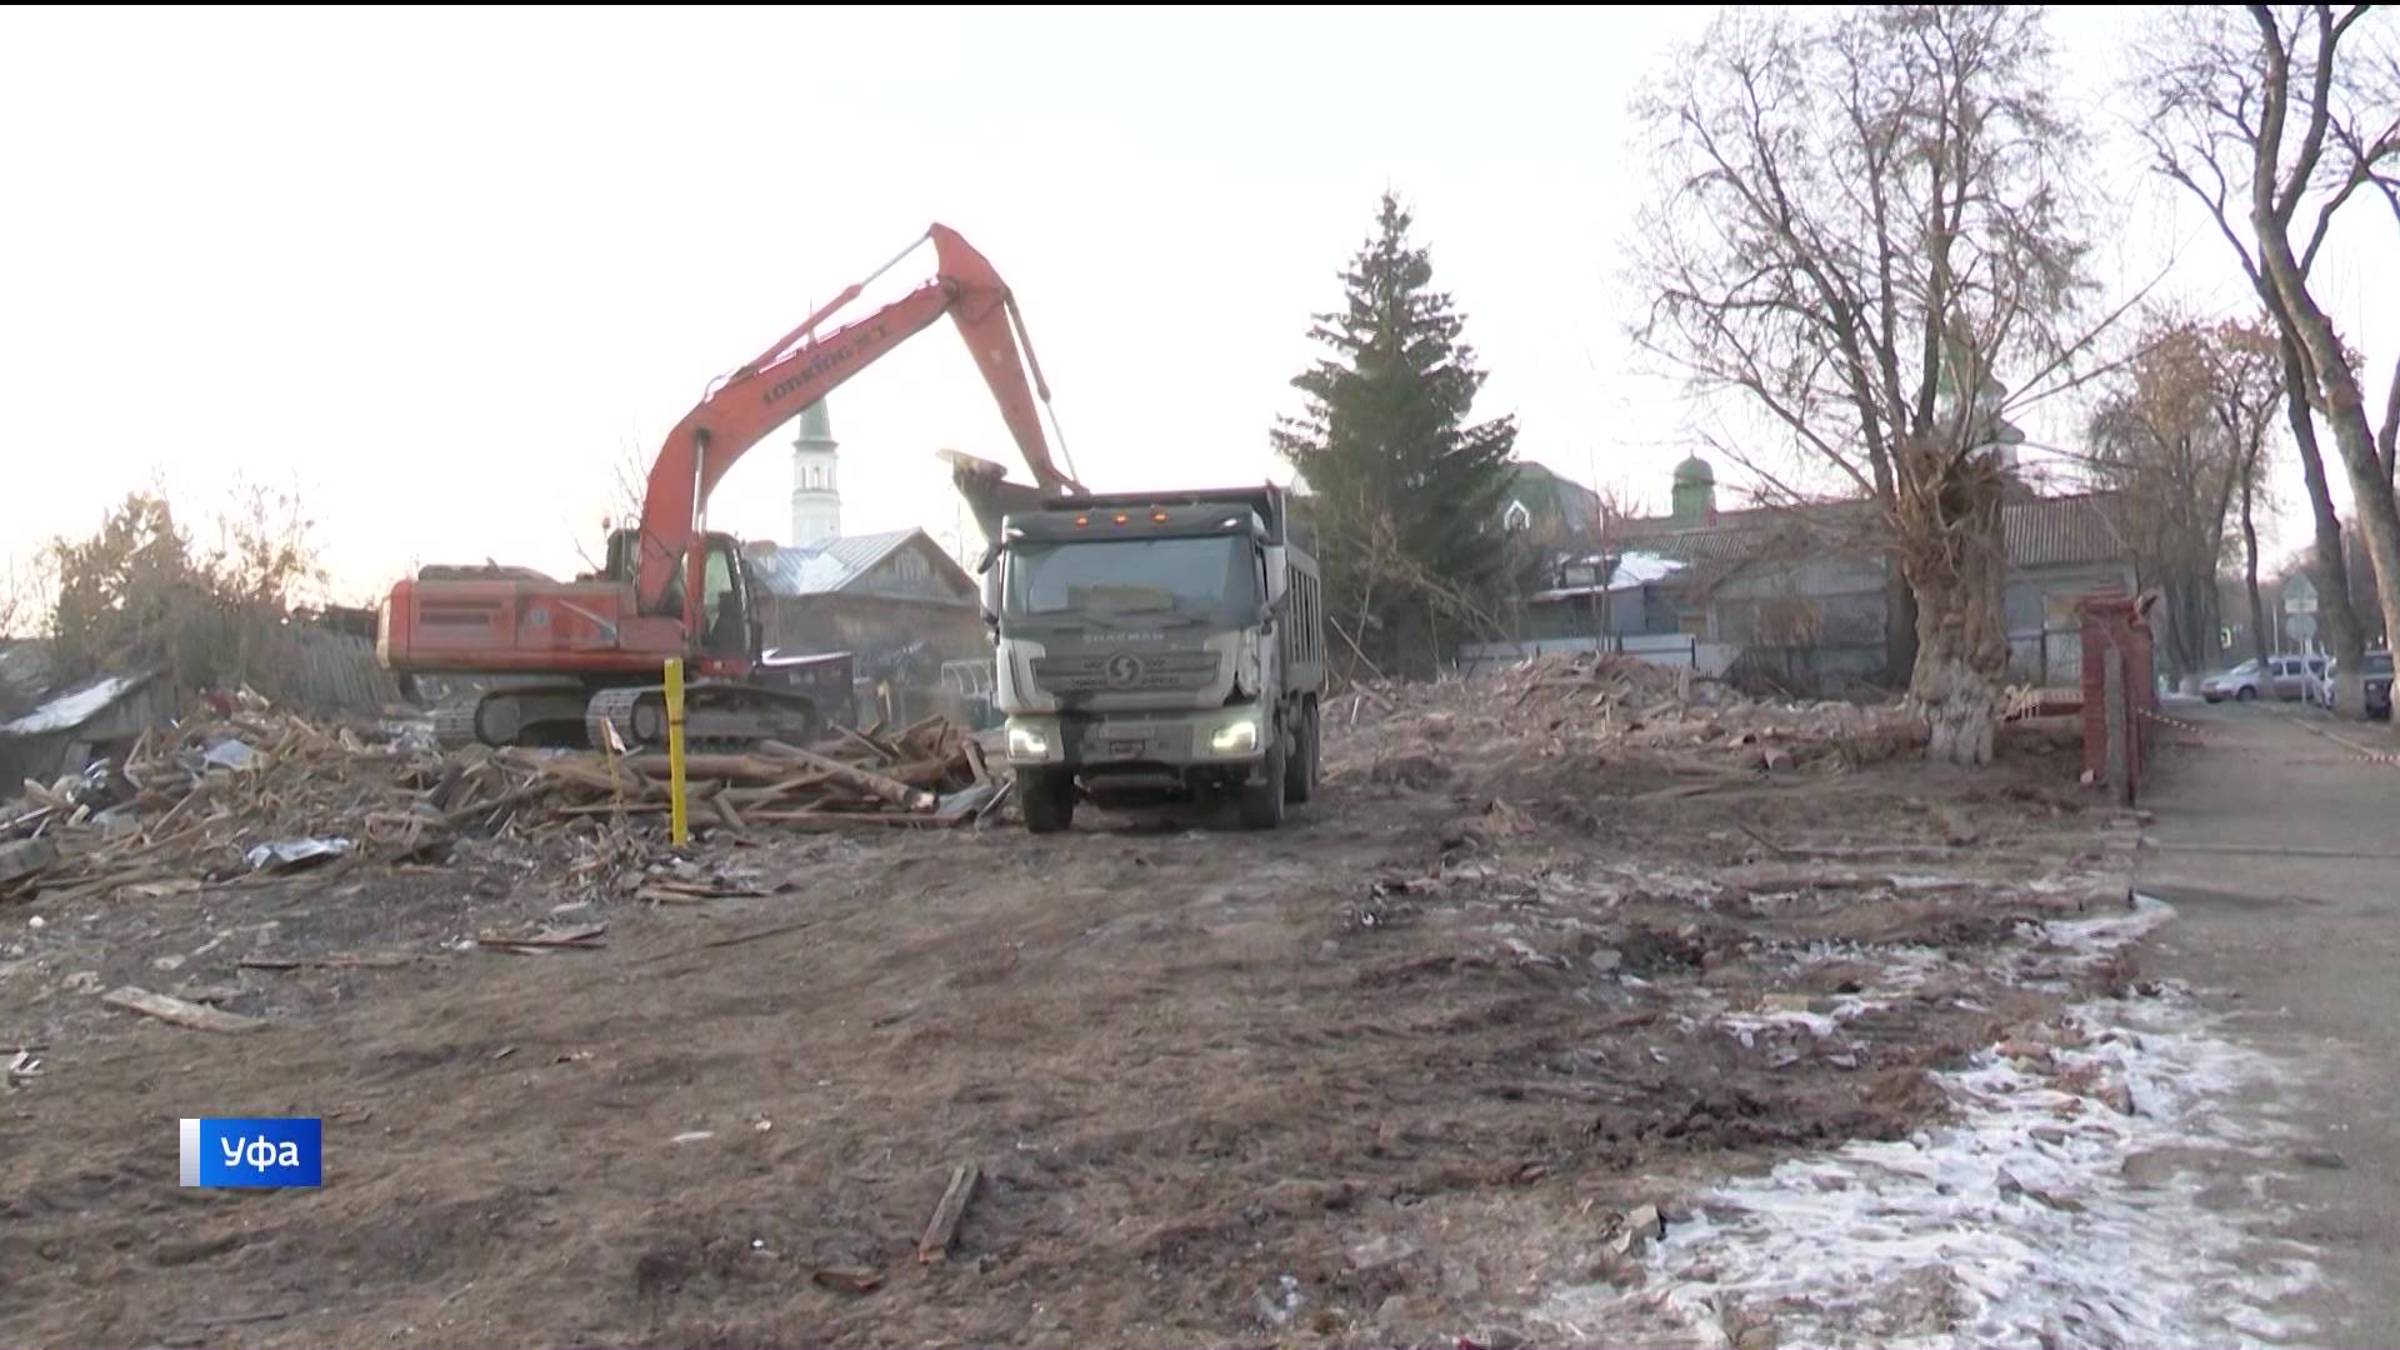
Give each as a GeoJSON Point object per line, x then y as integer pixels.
{"type": "Point", "coordinates": [2280, 849]}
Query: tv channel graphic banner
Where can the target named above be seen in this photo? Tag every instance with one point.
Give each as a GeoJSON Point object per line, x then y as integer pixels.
{"type": "Point", "coordinates": [253, 1152]}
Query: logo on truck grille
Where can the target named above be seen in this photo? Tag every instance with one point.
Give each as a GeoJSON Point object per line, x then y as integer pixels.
{"type": "Point", "coordinates": [1118, 672]}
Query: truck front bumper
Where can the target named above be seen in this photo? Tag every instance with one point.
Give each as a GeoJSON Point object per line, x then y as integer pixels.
{"type": "Point", "coordinates": [1217, 738]}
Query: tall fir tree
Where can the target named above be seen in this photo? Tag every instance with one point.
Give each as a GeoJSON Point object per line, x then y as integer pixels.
{"type": "Point", "coordinates": [1404, 491]}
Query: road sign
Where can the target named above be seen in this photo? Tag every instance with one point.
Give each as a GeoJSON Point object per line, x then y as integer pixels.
{"type": "Point", "coordinates": [2302, 626]}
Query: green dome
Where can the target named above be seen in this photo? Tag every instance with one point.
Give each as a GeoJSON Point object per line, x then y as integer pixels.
{"type": "Point", "coordinates": [1696, 471]}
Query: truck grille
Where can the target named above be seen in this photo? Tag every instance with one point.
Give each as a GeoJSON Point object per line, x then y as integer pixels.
{"type": "Point", "coordinates": [1122, 672]}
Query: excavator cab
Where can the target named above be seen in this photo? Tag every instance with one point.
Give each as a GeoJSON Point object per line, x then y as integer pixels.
{"type": "Point", "coordinates": [730, 623]}
{"type": "Point", "coordinates": [624, 560]}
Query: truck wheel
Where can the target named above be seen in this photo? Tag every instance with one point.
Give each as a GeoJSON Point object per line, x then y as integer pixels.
{"type": "Point", "coordinates": [1316, 749]}
{"type": "Point", "coordinates": [1300, 774]}
{"type": "Point", "coordinates": [1046, 799]}
{"type": "Point", "coordinates": [1262, 803]}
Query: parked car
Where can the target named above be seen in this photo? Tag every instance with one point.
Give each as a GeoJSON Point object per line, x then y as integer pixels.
{"type": "Point", "coordinates": [2317, 689]}
{"type": "Point", "coordinates": [2378, 669]}
{"type": "Point", "coordinates": [2240, 683]}
{"type": "Point", "coordinates": [2284, 677]}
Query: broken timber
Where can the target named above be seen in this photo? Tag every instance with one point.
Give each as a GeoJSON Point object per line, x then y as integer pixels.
{"type": "Point", "coordinates": [942, 1230]}
{"type": "Point", "coordinates": [175, 1010]}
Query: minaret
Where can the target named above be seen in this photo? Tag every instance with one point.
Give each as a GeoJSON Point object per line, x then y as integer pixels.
{"type": "Point", "coordinates": [816, 493]}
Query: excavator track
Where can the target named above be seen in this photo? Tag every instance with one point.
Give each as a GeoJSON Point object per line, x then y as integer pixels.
{"type": "Point", "coordinates": [527, 713]}
{"type": "Point", "coordinates": [719, 717]}
{"type": "Point", "coordinates": [612, 708]}
{"type": "Point", "coordinates": [454, 720]}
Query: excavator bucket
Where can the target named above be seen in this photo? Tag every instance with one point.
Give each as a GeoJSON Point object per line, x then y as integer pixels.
{"type": "Point", "coordinates": [988, 492]}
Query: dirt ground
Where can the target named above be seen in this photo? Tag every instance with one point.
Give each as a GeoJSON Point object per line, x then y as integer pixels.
{"type": "Point", "coordinates": [1382, 1077]}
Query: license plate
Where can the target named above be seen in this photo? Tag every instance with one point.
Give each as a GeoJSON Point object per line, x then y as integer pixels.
{"type": "Point", "coordinates": [1127, 749]}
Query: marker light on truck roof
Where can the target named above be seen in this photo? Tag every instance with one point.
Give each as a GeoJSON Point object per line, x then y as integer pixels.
{"type": "Point", "coordinates": [1158, 517]}
{"type": "Point", "coordinates": [1083, 520]}
{"type": "Point", "coordinates": [1121, 517]}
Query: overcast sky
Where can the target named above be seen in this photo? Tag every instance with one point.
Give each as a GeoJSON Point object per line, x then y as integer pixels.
{"type": "Point", "coordinates": [443, 270]}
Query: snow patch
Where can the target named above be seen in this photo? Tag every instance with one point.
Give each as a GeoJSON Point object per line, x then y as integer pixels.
{"type": "Point", "coordinates": [1639, 569]}
{"type": "Point", "coordinates": [2019, 1224]}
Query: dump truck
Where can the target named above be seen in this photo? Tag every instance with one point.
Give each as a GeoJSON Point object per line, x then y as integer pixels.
{"type": "Point", "coordinates": [1157, 646]}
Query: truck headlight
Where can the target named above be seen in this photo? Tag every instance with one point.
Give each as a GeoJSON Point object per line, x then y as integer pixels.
{"type": "Point", "coordinates": [1235, 738]}
{"type": "Point", "coordinates": [1030, 740]}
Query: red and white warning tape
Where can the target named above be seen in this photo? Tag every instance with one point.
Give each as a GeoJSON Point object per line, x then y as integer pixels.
{"type": "Point", "coordinates": [2366, 752]}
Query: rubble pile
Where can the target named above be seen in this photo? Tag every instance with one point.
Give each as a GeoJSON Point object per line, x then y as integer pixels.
{"type": "Point", "coordinates": [1601, 707]}
{"type": "Point", "coordinates": [257, 790]}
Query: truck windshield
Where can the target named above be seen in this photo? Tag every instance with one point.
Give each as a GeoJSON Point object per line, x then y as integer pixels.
{"type": "Point", "coordinates": [1111, 577]}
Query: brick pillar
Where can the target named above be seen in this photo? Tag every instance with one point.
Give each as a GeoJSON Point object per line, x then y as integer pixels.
{"type": "Point", "coordinates": [2120, 623]}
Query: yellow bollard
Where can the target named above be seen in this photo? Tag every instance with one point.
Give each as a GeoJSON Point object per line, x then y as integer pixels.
{"type": "Point", "coordinates": [677, 830]}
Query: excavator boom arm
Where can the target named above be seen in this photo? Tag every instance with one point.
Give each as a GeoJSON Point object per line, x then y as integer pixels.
{"type": "Point", "coordinates": [802, 369]}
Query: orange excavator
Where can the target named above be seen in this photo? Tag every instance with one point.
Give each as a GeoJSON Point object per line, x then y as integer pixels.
{"type": "Point", "coordinates": [572, 662]}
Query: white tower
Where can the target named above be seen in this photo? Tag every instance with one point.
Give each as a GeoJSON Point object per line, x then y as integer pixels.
{"type": "Point", "coordinates": [816, 493]}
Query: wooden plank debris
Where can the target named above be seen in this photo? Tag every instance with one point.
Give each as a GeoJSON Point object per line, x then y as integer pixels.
{"type": "Point", "coordinates": [586, 938]}
{"type": "Point", "coordinates": [890, 789]}
{"type": "Point", "coordinates": [846, 1279]}
{"type": "Point", "coordinates": [337, 962]}
{"type": "Point", "coordinates": [942, 1229]}
{"type": "Point", "coordinates": [164, 818]}
{"type": "Point", "coordinates": [182, 1014]}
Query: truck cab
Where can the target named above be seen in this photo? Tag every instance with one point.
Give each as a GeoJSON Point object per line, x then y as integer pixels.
{"type": "Point", "coordinates": [1157, 646]}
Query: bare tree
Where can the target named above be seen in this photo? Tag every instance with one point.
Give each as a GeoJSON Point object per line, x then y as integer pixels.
{"type": "Point", "coordinates": [139, 592]}
{"type": "Point", "coordinates": [2275, 118]}
{"type": "Point", "coordinates": [2158, 441]}
{"type": "Point", "coordinates": [1382, 600]}
{"type": "Point", "coordinates": [628, 488]}
{"type": "Point", "coordinates": [21, 599]}
{"type": "Point", "coordinates": [2246, 390]}
{"type": "Point", "coordinates": [1866, 222]}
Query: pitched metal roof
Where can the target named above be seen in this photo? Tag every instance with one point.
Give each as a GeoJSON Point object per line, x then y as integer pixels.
{"type": "Point", "coordinates": [825, 567]}
{"type": "Point", "coordinates": [835, 564]}
{"type": "Point", "coordinates": [77, 704]}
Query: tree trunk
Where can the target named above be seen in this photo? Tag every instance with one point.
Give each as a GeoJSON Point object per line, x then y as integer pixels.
{"type": "Point", "coordinates": [1899, 623]}
{"type": "Point", "coordinates": [2370, 494]}
{"type": "Point", "coordinates": [2191, 619]}
{"type": "Point", "coordinates": [2345, 408]}
{"type": "Point", "coordinates": [2258, 604]}
{"type": "Point", "coordinates": [2328, 568]}
{"type": "Point", "coordinates": [1957, 570]}
{"type": "Point", "coordinates": [1954, 679]}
